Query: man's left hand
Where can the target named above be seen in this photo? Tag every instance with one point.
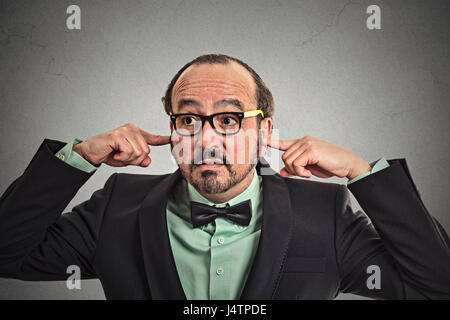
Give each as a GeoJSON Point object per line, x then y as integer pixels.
{"type": "Point", "coordinates": [311, 156]}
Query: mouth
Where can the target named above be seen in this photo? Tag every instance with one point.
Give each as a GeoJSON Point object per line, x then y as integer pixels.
{"type": "Point", "coordinates": [210, 163]}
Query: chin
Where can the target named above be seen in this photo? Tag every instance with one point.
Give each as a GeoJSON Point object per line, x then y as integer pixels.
{"type": "Point", "coordinates": [210, 181]}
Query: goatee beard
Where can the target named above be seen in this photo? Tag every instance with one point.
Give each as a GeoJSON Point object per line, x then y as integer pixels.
{"type": "Point", "coordinates": [210, 183]}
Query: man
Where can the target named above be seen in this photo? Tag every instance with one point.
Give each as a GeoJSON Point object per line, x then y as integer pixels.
{"type": "Point", "coordinates": [218, 228]}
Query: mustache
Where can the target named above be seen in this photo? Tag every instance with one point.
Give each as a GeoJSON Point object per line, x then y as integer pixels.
{"type": "Point", "coordinates": [213, 155]}
{"type": "Point", "coordinates": [210, 154]}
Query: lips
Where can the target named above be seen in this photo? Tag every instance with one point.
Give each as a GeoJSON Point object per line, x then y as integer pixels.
{"type": "Point", "coordinates": [210, 161]}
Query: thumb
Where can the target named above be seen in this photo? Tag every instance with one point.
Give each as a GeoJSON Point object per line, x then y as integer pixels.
{"type": "Point", "coordinates": [285, 173]}
{"type": "Point", "coordinates": [146, 162]}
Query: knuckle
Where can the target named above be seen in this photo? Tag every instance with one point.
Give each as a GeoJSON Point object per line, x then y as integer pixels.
{"type": "Point", "coordinates": [93, 159]}
{"type": "Point", "coordinates": [298, 163]}
{"type": "Point", "coordinates": [291, 158]}
{"type": "Point", "coordinates": [122, 131]}
{"type": "Point", "coordinates": [125, 128]}
{"type": "Point", "coordinates": [125, 163]}
{"type": "Point", "coordinates": [133, 127]}
{"type": "Point", "coordinates": [115, 136]}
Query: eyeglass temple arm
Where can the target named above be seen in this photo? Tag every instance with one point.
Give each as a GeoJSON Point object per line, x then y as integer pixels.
{"type": "Point", "coordinates": [253, 113]}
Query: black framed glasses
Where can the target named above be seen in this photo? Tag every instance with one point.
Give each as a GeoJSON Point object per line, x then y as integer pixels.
{"type": "Point", "coordinates": [225, 123]}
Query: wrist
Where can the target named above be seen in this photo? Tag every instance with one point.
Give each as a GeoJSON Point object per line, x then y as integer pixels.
{"type": "Point", "coordinates": [360, 167]}
{"type": "Point", "coordinates": [79, 148]}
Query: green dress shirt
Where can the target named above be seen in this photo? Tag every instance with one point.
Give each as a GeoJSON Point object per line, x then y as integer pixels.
{"type": "Point", "coordinates": [212, 261]}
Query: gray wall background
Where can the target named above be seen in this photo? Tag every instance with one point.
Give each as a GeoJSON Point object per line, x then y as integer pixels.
{"type": "Point", "coordinates": [376, 93]}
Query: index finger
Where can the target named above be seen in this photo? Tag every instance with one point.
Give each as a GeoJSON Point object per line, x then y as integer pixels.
{"type": "Point", "coordinates": [282, 145]}
{"type": "Point", "coordinates": [155, 140]}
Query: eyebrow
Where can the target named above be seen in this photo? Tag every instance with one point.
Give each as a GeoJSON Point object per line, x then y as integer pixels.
{"type": "Point", "coordinates": [221, 103]}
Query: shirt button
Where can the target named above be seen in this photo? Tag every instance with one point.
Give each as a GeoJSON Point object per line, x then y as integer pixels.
{"type": "Point", "coordinates": [219, 271]}
{"type": "Point", "coordinates": [221, 240]}
{"type": "Point", "coordinates": [61, 156]}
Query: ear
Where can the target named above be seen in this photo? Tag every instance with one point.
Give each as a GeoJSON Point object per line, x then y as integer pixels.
{"type": "Point", "coordinates": [265, 132]}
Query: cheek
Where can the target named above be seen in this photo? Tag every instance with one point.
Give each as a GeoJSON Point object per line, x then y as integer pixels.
{"type": "Point", "coordinates": [231, 148]}
{"type": "Point", "coordinates": [185, 168]}
{"type": "Point", "coordinates": [240, 148]}
{"type": "Point", "coordinates": [182, 148]}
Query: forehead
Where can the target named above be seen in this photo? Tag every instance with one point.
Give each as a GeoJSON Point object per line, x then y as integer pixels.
{"type": "Point", "coordinates": [212, 82]}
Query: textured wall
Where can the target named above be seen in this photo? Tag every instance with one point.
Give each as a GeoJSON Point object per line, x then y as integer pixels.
{"type": "Point", "coordinates": [377, 93]}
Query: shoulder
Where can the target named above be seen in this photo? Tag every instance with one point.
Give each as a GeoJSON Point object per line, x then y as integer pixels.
{"type": "Point", "coordinates": [129, 182]}
{"type": "Point", "coordinates": [139, 178]}
{"type": "Point", "coordinates": [126, 190]}
{"type": "Point", "coordinates": [306, 195]}
{"type": "Point", "coordinates": [314, 205]}
{"type": "Point", "coordinates": [312, 188]}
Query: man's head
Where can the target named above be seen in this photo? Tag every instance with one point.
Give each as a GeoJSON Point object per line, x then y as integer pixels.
{"type": "Point", "coordinates": [213, 84]}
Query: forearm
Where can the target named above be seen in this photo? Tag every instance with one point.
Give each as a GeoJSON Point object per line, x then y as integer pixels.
{"type": "Point", "coordinates": [414, 239]}
{"type": "Point", "coordinates": [36, 199]}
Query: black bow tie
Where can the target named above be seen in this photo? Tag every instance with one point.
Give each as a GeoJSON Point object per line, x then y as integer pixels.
{"type": "Point", "coordinates": [202, 214]}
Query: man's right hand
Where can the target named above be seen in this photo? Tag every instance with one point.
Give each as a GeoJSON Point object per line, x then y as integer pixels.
{"type": "Point", "coordinates": [126, 145]}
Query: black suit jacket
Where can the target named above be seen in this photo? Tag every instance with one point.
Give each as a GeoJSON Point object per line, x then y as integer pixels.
{"type": "Point", "coordinates": [312, 244]}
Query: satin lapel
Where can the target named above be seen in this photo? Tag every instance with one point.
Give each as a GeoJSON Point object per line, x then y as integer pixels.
{"type": "Point", "coordinates": [160, 267]}
{"type": "Point", "coordinates": [274, 240]}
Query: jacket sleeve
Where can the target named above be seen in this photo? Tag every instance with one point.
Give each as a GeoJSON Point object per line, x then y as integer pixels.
{"type": "Point", "coordinates": [37, 242]}
{"type": "Point", "coordinates": [398, 241]}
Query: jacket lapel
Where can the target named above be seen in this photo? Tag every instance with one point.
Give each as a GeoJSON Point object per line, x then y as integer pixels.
{"type": "Point", "coordinates": [276, 231]}
{"type": "Point", "coordinates": [160, 267]}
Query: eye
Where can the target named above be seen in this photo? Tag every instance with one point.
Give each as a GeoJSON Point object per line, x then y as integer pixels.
{"type": "Point", "coordinates": [229, 121]}
{"type": "Point", "coordinates": [188, 120]}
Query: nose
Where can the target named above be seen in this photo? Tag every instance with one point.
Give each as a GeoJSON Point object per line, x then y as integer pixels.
{"type": "Point", "coordinates": [209, 136]}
